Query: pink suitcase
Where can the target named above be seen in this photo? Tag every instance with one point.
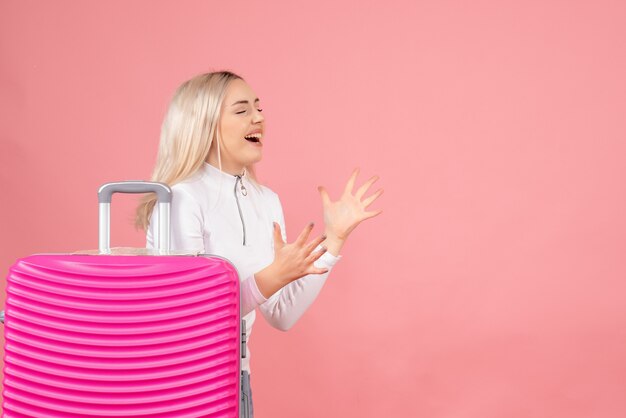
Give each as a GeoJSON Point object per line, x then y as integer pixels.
{"type": "Point", "coordinates": [110, 335]}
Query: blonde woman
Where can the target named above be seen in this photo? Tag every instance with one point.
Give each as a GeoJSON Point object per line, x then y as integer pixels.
{"type": "Point", "coordinates": [211, 137]}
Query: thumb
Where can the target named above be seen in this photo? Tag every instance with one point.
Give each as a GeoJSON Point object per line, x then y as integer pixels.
{"type": "Point", "coordinates": [324, 194]}
{"type": "Point", "coordinates": [278, 238]}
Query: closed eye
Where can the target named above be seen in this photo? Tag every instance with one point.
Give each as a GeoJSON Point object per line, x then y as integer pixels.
{"type": "Point", "coordinates": [244, 111]}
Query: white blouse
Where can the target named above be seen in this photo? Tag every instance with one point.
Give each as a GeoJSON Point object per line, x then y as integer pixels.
{"type": "Point", "coordinates": [214, 212]}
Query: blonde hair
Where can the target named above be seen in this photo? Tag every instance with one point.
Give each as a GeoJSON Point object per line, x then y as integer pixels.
{"type": "Point", "coordinates": [187, 133]}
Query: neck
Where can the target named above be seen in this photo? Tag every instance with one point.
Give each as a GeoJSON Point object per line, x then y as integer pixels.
{"type": "Point", "coordinates": [232, 169]}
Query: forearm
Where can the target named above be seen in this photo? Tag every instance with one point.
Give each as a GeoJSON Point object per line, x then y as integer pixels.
{"type": "Point", "coordinates": [268, 281]}
{"type": "Point", "coordinates": [251, 297]}
{"type": "Point", "coordinates": [285, 307]}
{"type": "Point", "coordinates": [259, 287]}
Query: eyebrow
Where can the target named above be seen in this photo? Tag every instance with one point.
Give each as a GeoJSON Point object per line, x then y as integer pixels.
{"type": "Point", "coordinates": [244, 101]}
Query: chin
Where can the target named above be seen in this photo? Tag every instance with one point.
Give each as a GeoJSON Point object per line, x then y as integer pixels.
{"type": "Point", "coordinates": [255, 159]}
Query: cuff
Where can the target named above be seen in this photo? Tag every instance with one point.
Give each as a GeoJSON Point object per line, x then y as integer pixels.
{"type": "Point", "coordinates": [253, 290]}
{"type": "Point", "coordinates": [327, 260]}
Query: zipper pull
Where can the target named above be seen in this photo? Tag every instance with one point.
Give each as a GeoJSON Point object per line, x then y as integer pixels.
{"type": "Point", "coordinates": [244, 191]}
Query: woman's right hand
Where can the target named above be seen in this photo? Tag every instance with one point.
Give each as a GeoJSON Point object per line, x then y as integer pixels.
{"type": "Point", "coordinates": [291, 261]}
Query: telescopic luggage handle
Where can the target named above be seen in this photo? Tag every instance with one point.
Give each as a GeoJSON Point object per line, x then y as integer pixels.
{"type": "Point", "coordinates": [105, 193]}
{"type": "Point", "coordinates": [164, 199]}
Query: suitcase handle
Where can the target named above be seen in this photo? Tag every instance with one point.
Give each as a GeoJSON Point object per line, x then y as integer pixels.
{"type": "Point", "coordinates": [164, 199]}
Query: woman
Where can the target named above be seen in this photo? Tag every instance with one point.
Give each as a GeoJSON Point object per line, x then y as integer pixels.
{"type": "Point", "coordinates": [211, 137]}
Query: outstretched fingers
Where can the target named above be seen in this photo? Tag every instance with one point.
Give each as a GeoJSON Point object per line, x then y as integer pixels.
{"type": "Point", "coordinates": [278, 238]}
{"type": "Point", "coordinates": [365, 187]}
{"type": "Point", "coordinates": [304, 235]}
{"type": "Point", "coordinates": [372, 198]}
{"type": "Point", "coordinates": [372, 214]}
{"type": "Point", "coordinates": [314, 257]}
{"type": "Point", "coordinates": [351, 181]}
{"type": "Point", "coordinates": [313, 244]}
{"type": "Point", "coordinates": [324, 194]}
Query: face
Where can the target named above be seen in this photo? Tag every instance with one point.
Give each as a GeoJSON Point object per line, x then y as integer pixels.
{"type": "Point", "coordinates": [241, 127]}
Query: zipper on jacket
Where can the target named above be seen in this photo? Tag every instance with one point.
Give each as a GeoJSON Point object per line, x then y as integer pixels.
{"type": "Point", "coordinates": [245, 193]}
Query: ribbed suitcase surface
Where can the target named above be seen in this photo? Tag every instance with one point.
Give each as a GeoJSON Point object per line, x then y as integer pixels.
{"type": "Point", "coordinates": [123, 336]}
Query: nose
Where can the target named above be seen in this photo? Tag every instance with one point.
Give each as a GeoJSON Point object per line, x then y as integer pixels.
{"type": "Point", "coordinates": [258, 116]}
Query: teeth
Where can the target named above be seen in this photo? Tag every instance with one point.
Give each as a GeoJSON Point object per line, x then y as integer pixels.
{"type": "Point", "coordinates": [257, 135]}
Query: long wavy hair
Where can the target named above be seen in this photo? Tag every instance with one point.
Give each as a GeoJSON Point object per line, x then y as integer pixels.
{"type": "Point", "coordinates": [190, 127]}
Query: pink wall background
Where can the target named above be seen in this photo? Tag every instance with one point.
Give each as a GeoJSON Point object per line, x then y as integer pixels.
{"type": "Point", "coordinates": [494, 283]}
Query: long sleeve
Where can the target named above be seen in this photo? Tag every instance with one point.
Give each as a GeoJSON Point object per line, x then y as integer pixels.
{"type": "Point", "coordinates": [251, 296]}
{"type": "Point", "coordinates": [285, 307]}
{"type": "Point", "coordinates": [187, 234]}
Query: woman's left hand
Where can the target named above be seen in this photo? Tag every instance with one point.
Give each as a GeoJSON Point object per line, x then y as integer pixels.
{"type": "Point", "coordinates": [345, 214]}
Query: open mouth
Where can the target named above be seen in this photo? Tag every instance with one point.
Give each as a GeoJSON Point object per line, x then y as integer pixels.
{"type": "Point", "coordinates": [253, 137]}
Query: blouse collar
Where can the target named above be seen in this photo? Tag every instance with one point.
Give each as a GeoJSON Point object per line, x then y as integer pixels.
{"type": "Point", "coordinates": [216, 173]}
